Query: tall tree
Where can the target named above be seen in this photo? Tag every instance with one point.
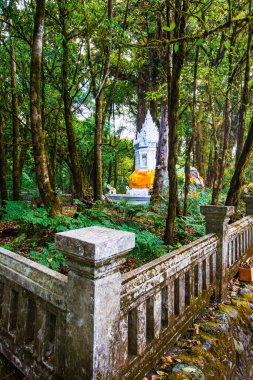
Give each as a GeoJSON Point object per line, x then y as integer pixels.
{"type": "Point", "coordinates": [48, 195]}
{"type": "Point", "coordinates": [218, 181]}
{"type": "Point", "coordinates": [192, 138]}
{"type": "Point", "coordinates": [3, 183]}
{"type": "Point", "coordinates": [173, 83]}
{"type": "Point", "coordinates": [16, 147]}
{"type": "Point", "coordinates": [161, 172]}
{"type": "Point", "coordinates": [76, 168]}
{"type": "Point", "coordinates": [100, 110]}
{"type": "Point", "coordinates": [245, 94]}
{"type": "Point", "coordinates": [238, 176]}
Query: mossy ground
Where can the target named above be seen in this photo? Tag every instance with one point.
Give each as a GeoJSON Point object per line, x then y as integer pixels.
{"type": "Point", "coordinates": [219, 344]}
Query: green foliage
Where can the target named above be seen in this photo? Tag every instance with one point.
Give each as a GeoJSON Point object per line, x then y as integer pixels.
{"type": "Point", "coordinates": [148, 247]}
{"type": "Point", "coordinates": [49, 256]}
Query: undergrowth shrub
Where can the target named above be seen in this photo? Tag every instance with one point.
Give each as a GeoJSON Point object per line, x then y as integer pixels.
{"type": "Point", "coordinates": [37, 228]}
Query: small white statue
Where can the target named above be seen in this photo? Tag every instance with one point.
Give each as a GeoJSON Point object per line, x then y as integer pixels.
{"type": "Point", "coordinates": [111, 189]}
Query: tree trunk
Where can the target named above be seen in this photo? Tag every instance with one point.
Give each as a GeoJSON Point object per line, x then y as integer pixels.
{"type": "Point", "coordinates": [3, 183]}
{"type": "Point", "coordinates": [101, 115]}
{"type": "Point", "coordinates": [16, 172]}
{"type": "Point", "coordinates": [173, 82]}
{"type": "Point", "coordinates": [244, 98]}
{"type": "Point", "coordinates": [48, 196]}
{"type": "Point", "coordinates": [237, 179]}
{"type": "Point", "coordinates": [191, 142]}
{"type": "Point", "coordinates": [109, 177]}
{"type": "Point", "coordinates": [161, 172]}
{"type": "Point", "coordinates": [98, 168]}
{"type": "Point", "coordinates": [142, 88]}
{"type": "Point", "coordinates": [115, 174]}
{"type": "Point", "coordinates": [187, 173]}
{"type": "Point", "coordinates": [76, 169]}
{"type": "Point", "coordinates": [221, 163]}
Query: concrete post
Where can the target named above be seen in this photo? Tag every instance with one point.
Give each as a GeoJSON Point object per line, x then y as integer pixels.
{"type": "Point", "coordinates": [93, 299]}
{"type": "Point", "coordinates": [217, 218]}
{"type": "Point", "coordinates": [248, 199]}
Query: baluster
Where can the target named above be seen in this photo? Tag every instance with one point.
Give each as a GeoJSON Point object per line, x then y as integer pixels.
{"type": "Point", "coordinates": [196, 281]}
{"type": "Point", "coordinates": [124, 339]}
{"type": "Point", "coordinates": [232, 252]}
{"type": "Point", "coordinates": [171, 299]}
{"type": "Point", "coordinates": [21, 318]}
{"type": "Point", "coordinates": [229, 256]}
{"type": "Point", "coordinates": [60, 344]}
{"type": "Point", "coordinates": [165, 313]}
{"type": "Point", "coordinates": [237, 247]}
{"type": "Point", "coordinates": [191, 285]}
{"type": "Point", "coordinates": [49, 338]}
{"type": "Point", "coordinates": [141, 328]}
{"type": "Point", "coordinates": [181, 293]}
{"type": "Point", "coordinates": [6, 308]}
{"type": "Point", "coordinates": [207, 272]}
{"type": "Point", "coordinates": [157, 314]}
{"type": "Point", "coordinates": [215, 266]}
{"type": "Point", "coordinates": [39, 331]}
{"type": "Point", "coordinates": [234, 249]}
{"type": "Point", "coordinates": [211, 268]}
{"type": "Point", "coordinates": [30, 321]}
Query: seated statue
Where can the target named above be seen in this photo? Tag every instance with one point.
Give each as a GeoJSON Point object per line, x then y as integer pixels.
{"type": "Point", "coordinates": [142, 179]}
{"type": "Point", "coordinates": [111, 189]}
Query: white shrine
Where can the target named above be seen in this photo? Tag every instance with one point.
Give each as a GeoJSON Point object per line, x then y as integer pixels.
{"type": "Point", "coordinates": [141, 180]}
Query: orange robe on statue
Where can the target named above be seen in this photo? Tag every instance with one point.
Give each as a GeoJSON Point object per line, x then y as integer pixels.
{"type": "Point", "coordinates": [141, 179]}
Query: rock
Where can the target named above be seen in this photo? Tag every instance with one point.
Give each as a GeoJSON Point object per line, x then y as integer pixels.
{"type": "Point", "coordinates": [207, 345]}
{"type": "Point", "coordinates": [246, 291]}
{"type": "Point", "coordinates": [193, 371]}
{"type": "Point", "coordinates": [238, 346]}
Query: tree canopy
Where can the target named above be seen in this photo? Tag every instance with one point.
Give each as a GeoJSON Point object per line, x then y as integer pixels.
{"type": "Point", "coordinates": [76, 76]}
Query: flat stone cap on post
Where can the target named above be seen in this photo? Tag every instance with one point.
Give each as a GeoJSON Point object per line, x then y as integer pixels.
{"type": "Point", "coordinates": [217, 211]}
{"type": "Point", "coordinates": [248, 199]}
{"type": "Point", "coordinates": [95, 243]}
{"type": "Point", "coordinates": [217, 217]}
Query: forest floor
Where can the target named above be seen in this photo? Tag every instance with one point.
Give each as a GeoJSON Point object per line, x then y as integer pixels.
{"type": "Point", "coordinates": [29, 230]}
{"type": "Point", "coordinates": [217, 345]}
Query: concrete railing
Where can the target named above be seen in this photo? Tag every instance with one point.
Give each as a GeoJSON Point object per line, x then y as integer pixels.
{"type": "Point", "coordinates": [96, 323]}
{"type": "Point", "coordinates": [33, 310]}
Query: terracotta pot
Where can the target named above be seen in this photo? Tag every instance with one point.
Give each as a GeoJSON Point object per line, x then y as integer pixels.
{"type": "Point", "coordinates": [246, 274]}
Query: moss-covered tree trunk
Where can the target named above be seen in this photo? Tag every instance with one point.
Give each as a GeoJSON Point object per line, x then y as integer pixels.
{"type": "Point", "coordinates": [161, 172]}
{"type": "Point", "coordinates": [191, 139]}
{"type": "Point", "coordinates": [3, 183]}
{"type": "Point", "coordinates": [16, 148]}
{"type": "Point", "coordinates": [98, 165]}
{"type": "Point", "coordinates": [244, 97]}
{"type": "Point", "coordinates": [173, 82]}
{"type": "Point", "coordinates": [238, 176]}
{"type": "Point", "coordinates": [101, 112]}
{"type": "Point", "coordinates": [48, 195]}
{"type": "Point", "coordinates": [76, 168]}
